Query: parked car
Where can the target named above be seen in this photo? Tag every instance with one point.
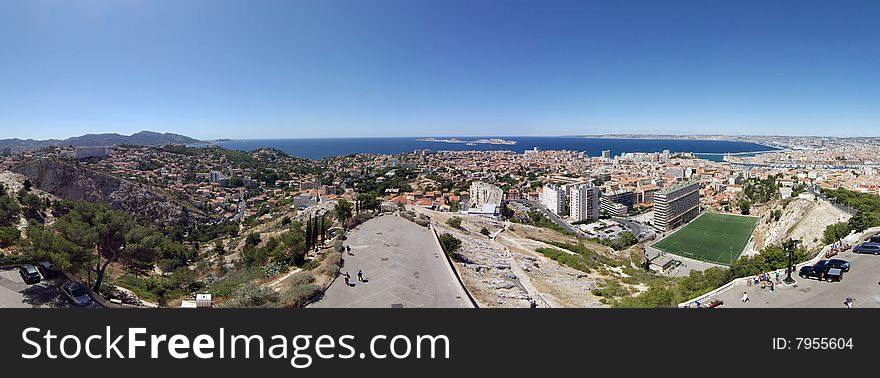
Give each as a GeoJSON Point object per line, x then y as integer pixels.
{"type": "Point", "coordinates": [47, 269]}
{"type": "Point", "coordinates": [873, 248]}
{"type": "Point", "coordinates": [29, 274]}
{"type": "Point", "coordinates": [874, 239]}
{"type": "Point", "coordinates": [77, 293]}
{"type": "Point", "coordinates": [843, 265]}
{"type": "Point", "coordinates": [819, 270]}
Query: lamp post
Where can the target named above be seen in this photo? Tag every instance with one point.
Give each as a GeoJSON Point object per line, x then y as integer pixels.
{"type": "Point", "coordinates": [789, 247]}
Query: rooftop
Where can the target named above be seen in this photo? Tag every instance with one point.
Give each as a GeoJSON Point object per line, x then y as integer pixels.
{"type": "Point", "coordinates": [675, 187]}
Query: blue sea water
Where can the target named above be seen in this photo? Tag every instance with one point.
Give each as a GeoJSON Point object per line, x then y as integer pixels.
{"type": "Point", "coordinates": [325, 147]}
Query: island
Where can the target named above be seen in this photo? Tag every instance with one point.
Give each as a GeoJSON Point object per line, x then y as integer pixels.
{"type": "Point", "coordinates": [469, 142]}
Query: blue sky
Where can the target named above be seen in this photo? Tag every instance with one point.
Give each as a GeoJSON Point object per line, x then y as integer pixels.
{"type": "Point", "coordinates": [333, 68]}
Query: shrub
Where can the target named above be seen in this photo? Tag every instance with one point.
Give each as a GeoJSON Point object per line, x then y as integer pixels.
{"type": "Point", "coordinates": [331, 264]}
{"type": "Point", "coordinates": [301, 278]}
{"type": "Point", "coordinates": [251, 295]}
{"type": "Point", "coordinates": [227, 285]}
{"type": "Point", "coordinates": [9, 236]}
{"type": "Point", "coordinates": [450, 244]}
{"type": "Point", "coordinates": [299, 295]}
{"type": "Point", "coordinates": [485, 231]}
{"type": "Point", "coordinates": [454, 222]}
{"type": "Point", "coordinates": [577, 262]}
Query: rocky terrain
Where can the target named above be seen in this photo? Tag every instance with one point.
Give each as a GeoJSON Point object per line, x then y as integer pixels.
{"type": "Point", "coordinates": [71, 182]}
{"type": "Point", "coordinates": [505, 271]}
{"type": "Point", "coordinates": [803, 218]}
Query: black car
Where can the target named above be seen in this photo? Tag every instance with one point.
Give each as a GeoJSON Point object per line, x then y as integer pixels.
{"type": "Point", "coordinates": [47, 269]}
{"type": "Point", "coordinates": [819, 270]}
{"type": "Point", "coordinates": [875, 239]}
{"type": "Point", "coordinates": [29, 274]}
{"type": "Point", "coordinates": [843, 265]}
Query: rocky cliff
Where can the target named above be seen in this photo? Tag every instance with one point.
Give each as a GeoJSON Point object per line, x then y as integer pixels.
{"type": "Point", "coordinates": [71, 182]}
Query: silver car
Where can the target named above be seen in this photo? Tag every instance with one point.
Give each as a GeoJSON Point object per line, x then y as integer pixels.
{"type": "Point", "coordinates": [77, 293]}
{"type": "Point", "coordinates": [873, 248]}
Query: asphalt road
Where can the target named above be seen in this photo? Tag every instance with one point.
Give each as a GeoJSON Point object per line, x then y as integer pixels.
{"type": "Point", "coordinates": [14, 293]}
{"type": "Point", "coordinates": [553, 217]}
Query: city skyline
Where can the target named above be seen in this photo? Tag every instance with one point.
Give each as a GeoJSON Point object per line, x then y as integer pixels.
{"type": "Point", "coordinates": [388, 68]}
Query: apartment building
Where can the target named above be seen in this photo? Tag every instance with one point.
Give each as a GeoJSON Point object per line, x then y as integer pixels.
{"type": "Point", "coordinates": [553, 198]}
{"type": "Point", "coordinates": [676, 205]}
{"type": "Point", "coordinates": [583, 202]}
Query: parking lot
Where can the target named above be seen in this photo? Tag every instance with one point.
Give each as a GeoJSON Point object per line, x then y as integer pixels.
{"type": "Point", "coordinates": [862, 282]}
{"type": "Point", "coordinates": [14, 293]}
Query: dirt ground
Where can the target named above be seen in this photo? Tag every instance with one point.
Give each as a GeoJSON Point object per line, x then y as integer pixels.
{"type": "Point", "coordinates": [505, 271]}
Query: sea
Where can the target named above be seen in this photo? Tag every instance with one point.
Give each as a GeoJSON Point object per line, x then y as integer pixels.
{"type": "Point", "coordinates": [318, 148]}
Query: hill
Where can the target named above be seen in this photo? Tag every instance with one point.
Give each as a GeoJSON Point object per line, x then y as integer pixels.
{"type": "Point", "coordinates": [75, 183]}
{"type": "Point", "coordinates": [143, 138]}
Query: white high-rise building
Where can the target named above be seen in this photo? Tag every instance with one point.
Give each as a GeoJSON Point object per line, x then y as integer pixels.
{"type": "Point", "coordinates": [583, 202]}
{"type": "Point", "coordinates": [676, 205]}
{"type": "Point", "coordinates": [553, 198]}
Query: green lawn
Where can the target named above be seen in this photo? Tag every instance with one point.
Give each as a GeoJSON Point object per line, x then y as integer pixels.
{"type": "Point", "coordinates": [712, 237]}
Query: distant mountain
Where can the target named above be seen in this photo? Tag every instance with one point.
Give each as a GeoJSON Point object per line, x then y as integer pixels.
{"type": "Point", "coordinates": [143, 138]}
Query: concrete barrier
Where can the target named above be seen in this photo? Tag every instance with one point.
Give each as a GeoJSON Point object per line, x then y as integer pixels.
{"type": "Point", "coordinates": [452, 270]}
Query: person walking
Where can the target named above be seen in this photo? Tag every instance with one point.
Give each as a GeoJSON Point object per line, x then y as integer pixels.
{"type": "Point", "coordinates": [745, 297]}
{"type": "Point", "coordinates": [777, 276]}
{"type": "Point", "coordinates": [360, 275]}
{"type": "Point", "coordinates": [849, 302]}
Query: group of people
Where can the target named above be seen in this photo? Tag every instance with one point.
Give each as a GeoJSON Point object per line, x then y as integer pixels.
{"type": "Point", "coordinates": [766, 280]}
{"type": "Point", "coordinates": [347, 277]}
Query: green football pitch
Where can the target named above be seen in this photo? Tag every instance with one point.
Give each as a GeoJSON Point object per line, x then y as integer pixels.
{"type": "Point", "coordinates": [712, 237]}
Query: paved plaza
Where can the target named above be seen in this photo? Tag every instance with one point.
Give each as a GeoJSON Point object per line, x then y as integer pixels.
{"type": "Point", "coordinates": [403, 266]}
{"type": "Point", "coordinates": [861, 283]}
{"type": "Point", "coordinates": [14, 293]}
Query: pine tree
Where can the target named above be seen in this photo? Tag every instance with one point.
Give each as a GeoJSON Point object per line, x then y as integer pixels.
{"type": "Point", "coordinates": [309, 233]}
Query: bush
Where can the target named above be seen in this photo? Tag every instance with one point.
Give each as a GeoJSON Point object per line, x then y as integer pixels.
{"type": "Point", "coordinates": [454, 222]}
{"type": "Point", "coordinates": [253, 296]}
{"type": "Point", "coordinates": [9, 236]}
{"type": "Point", "coordinates": [577, 262]}
{"type": "Point", "coordinates": [301, 278]}
{"type": "Point", "coordinates": [485, 231]}
{"type": "Point", "coordinates": [227, 285]}
{"type": "Point", "coordinates": [151, 289]}
{"type": "Point", "coordinates": [300, 295]}
{"type": "Point", "coordinates": [450, 244]}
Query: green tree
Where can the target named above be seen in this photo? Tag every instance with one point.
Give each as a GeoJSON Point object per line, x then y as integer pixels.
{"type": "Point", "coordinates": [450, 244]}
{"type": "Point", "coordinates": [9, 236]}
{"type": "Point", "coordinates": [369, 201]}
{"type": "Point", "coordinates": [864, 220]}
{"type": "Point", "coordinates": [744, 206]}
{"type": "Point", "coordinates": [343, 211]}
{"type": "Point", "coordinates": [626, 240]}
{"type": "Point", "coordinates": [112, 235]}
{"type": "Point", "coordinates": [9, 211]}
{"type": "Point", "coordinates": [835, 232]}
